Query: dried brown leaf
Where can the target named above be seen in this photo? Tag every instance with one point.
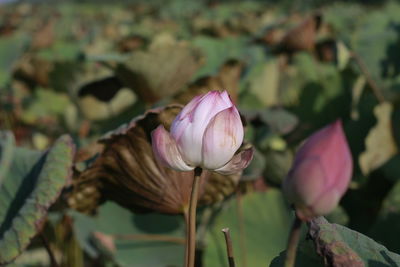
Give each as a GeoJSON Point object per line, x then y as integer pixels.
{"type": "Point", "coordinates": [33, 71]}
{"type": "Point", "coordinates": [301, 37]}
{"type": "Point", "coordinates": [331, 246]}
{"type": "Point", "coordinates": [131, 43]}
{"type": "Point", "coordinates": [227, 78]}
{"type": "Point", "coordinates": [127, 172]}
{"type": "Point", "coordinates": [161, 71]}
{"type": "Point", "coordinates": [44, 36]}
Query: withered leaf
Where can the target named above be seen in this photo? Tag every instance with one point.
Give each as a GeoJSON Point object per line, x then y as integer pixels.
{"type": "Point", "coordinates": [159, 72]}
{"type": "Point", "coordinates": [99, 94]}
{"type": "Point", "coordinates": [218, 187]}
{"type": "Point", "coordinates": [127, 172]}
{"type": "Point", "coordinates": [301, 37]}
{"type": "Point", "coordinates": [44, 36]}
{"type": "Point", "coordinates": [331, 246]}
{"type": "Point", "coordinates": [341, 246]}
{"type": "Point", "coordinates": [33, 71]}
{"type": "Point", "coordinates": [272, 36]}
{"type": "Point", "coordinates": [227, 78]}
{"type": "Point", "coordinates": [104, 98]}
{"type": "Point", "coordinates": [131, 43]}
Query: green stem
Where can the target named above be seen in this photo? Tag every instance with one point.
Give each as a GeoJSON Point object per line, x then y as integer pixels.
{"type": "Point", "coordinates": [186, 216]}
{"type": "Point", "coordinates": [191, 250]}
{"type": "Point", "coordinates": [242, 234]}
{"type": "Point", "coordinates": [150, 237]}
{"type": "Point", "coordinates": [53, 261]}
{"type": "Point", "coordinates": [293, 242]}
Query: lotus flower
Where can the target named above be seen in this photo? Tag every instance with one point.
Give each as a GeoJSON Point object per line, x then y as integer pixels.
{"type": "Point", "coordinates": [320, 174]}
{"type": "Point", "coordinates": [125, 171]}
{"type": "Point", "coordinates": [206, 133]}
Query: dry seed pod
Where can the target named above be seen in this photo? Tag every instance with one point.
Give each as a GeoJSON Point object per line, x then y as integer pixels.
{"type": "Point", "coordinates": [127, 172]}
{"type": "Point", "coordinates": [218, 187]}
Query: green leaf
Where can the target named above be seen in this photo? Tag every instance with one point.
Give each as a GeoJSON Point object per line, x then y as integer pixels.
{"type": "Point", "coordinates": [7, 144]}
{"type": "Point", "coordinates": [305, 257]}
{"type": "Point", "coordinates": [346, 23]}
{"type": "Point", "coordinates": [386, 229]}
{"type": "Point", "coordinates": [32, 183]}
{"type": "Point", "coordinates": [278, 164]}
{"type": "Point", "coordinates": [263, 82]}
{"type": "Point", "coordinates": [381, 58]}
{"type": "Point", "coordinates": [266, 222]}
{"type": "Point", "coordinates": [338, 215]}
{"type": "Point", "coordinates": [112, 219]}
{"type": "Point", "coordinates": [45, 104]}
{"type": "Point", "coordinates": [339, 245]}
{"type": "Point", "coordinates": [279, 120]}
{"type": "Point", "coordinates": [161, 71]}
{"type": "Point", "coordinates": [217, 51]}
{"type": "Point", "coordinates": [358, 26]}
{"type": "Point", "coordinates": [61, 51]}
{"type": "Point", "coordinates": [322, 89]}
{"type": "Point", "coordinates": [255, 168]}
{"type": "Point", "coordinates": [10, 49]}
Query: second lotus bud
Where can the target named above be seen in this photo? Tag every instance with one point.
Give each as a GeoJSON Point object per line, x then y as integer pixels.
{"type": "Point", "coordinates": [321, 173]}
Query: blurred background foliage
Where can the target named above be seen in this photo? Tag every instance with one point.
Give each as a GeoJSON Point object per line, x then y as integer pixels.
{"type": "Point", "coordinates": [87, 68]}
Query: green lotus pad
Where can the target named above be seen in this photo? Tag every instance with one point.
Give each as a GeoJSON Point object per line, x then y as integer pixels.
{"type": "Point", "coordinates": [30, 183]}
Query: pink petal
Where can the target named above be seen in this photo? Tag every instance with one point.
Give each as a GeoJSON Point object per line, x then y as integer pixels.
{"type": "Point", "coordinates": [222, 138]}
{"type": "Point", "coordinates": [330, 145]}
{"type": "Point", "coordinates": [166, 151]}
{"type": "Point", "coordinates": [237, 163]}
{"type": "Point", "coordinates": [327, 202]}
{"type": "Point", "coordinates": [305, 182]}
{"type": "Point", "coordinates": [188, 109]}
{"type": "Point", "coordinates": [321, 172]}
{"type": "Point", "coordinates": [188, 128]}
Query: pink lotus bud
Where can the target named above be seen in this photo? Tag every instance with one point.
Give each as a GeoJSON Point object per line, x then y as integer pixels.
{"type": "Point", "coordinates": [321, 172]}
{"type": "Point", "coordinates": [206, 133]}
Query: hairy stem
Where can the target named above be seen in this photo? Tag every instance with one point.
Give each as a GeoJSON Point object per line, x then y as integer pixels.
{"type": "Point", "coordinates": [293, 242]}
{"type": "Point", "coordinates": [191, 237]}
{"type": "Point", "coordinates": [186, 216]}
{"type": "Point", "coordinates": [242, 234]}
